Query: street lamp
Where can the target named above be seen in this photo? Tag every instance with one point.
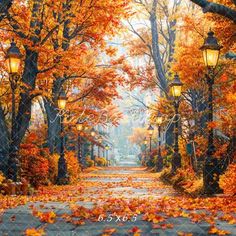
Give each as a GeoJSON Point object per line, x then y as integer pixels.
{"type": "Point", "coordinates": [145, 146]}
{"type": "Point", "coordinates": [159, 163]}
{"type": "Point", "coordinates": [79, 127]}
{"type": "Point", "coordinates": [150, 133]}
{"type": "Point", "coordinates": [176, 90]}
{"type": "Point", "coordinates": [92, 133]}
{"type": "Point", "coordinates": [62, 100]}
{"type": "Point", "coordinates": [100, 142]}
{"type": "Point", "coordinates": [13, 60]}
{"type": "Point", "coordinates": [62, 177]}
{"type": "Point", "coordinates": [107, 149]}
{"type": "Point", "coordinates": [211, 51]}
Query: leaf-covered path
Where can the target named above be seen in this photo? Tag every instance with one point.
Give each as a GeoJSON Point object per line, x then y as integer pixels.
{"type": "Point", "coordinates": [116, 201]}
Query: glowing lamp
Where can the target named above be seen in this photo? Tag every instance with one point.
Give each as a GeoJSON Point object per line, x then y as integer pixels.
{"type": "Point", "coordinates": [79, 126]}
{"type": "Point", "coordinates": [211, 50]}
{"type": "Point", "coordinates": [62, 99]}
{"type": "Point", "coordinates": [13, 58]}
{"type": "Point", "coordinates": [176, 87]}
{"type": "Point", "coordinates": [150, 130]}
{"type": "Point", "coordinates": [159, 119]}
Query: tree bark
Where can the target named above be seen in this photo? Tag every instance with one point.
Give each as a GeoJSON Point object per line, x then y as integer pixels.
{"type": "Point", "coordinates": [216, 8]}
{"type": "Point", "coordinates": [24, 111]}
{"type": "Point", "coordinates": [4, 7]}
{"type": "Point", "coordinates": [161, 72]}
{"type": "Point", "coordinates": [156, 50]}
{"type": "Point", "coordinates": [53, 121]}
{"type": "Point", "coordinates": [28, 85]}
{"type": "Point", "coordinates": [4, 142]}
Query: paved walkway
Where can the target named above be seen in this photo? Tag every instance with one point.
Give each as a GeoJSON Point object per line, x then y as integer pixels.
{"type": "Point", "coordinates": [135, 202]}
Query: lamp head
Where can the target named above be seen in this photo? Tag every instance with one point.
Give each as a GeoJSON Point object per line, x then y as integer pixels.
{"type": "Point", "coordinates": [13, 58]}
{"type": "Point", "coordinates": [79, 126]}
{"type": "Point", "coordinates": [211, 50]}
{"type": "Point", "coordinates": [62, 99]}
{"type": "Point", "coordinates": [176, 87]}
{"type": "Point", "coordinates": [93, 132]}
{"type": "Point", "coordinates": [159, 118]}
{"type": "Point", "coordinates": [150, 130]}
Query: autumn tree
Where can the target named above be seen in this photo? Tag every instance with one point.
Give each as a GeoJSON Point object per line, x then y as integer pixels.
{"type": "Point", "coordinates": [84, 44]}
{"type": "Point", "coordinates": [46, 33]}
{"type": "Point", "coordinates": [154, 44]}
{"type": "Point", "coordinates": [190, 65]}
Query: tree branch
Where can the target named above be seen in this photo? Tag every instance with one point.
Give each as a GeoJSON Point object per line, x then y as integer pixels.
{"type": "Point", "coordinates": [217, 9]}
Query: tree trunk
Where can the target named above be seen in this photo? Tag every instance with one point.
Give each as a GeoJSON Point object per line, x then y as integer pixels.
{"type": "Point", "coordinates": [53, 118]}
{"type": "Point", "coordinates": [156, 50]}
{"type": "Point", "coordinates": [53, 121]}
{"type": "Point", "coordinates": [24, 111]}
{"type": "Point", "coordinates": [4, 142]}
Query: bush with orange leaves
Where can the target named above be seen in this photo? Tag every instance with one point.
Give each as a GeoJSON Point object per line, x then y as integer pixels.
{"type": "Point", "coordinates": [100, 161]}
{"type": "Point", "coordinates": [184, 180]}
{"type": "Point", "coordinates": [53, 167]}
{"type": "Point", "coordinates": [34, 164]}
{"type": "Point", "coordinates": [228, 180]}
{"type": "Point", "coordinates": [73, 167]}
{"type": "Point", "coordinates": [89, 162]}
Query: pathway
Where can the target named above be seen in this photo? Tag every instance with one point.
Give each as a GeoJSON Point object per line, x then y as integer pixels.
{"type": "Point", "coordinates": [113, 201]}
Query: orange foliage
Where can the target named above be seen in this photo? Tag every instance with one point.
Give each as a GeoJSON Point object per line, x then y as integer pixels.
{"type": "Point", "coordinates": [35, 165]}
{"type": "Point", "coordinates": [214, 230]}
{"type": "Point", "coordinates": [73, 167]}
{"type": "Point", "coordinates": [34, 232]}
{"type": "Point", "coordinates": [48, 217]}
{"type": "Point", "coordinates": [228, 180]}
{"type": "Point", "coordinates": [138, 135]}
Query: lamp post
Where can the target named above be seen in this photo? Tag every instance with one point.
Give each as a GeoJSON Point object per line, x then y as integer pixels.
{"type": "Point", "coordinates": [211, 51]}
{"type": "Point", "coordinates": [145, 146]}
{"type": "Point", "coordinates": [107, 149]}
{"type": "Point", "coordinates": [79, 127]}
{"type": "Point", "coordinates": [176, 90]}
{"type": "Point", "coordinates": [100, 142]}
{"type": "Point", "coordinates": [150, 133]}
{"type": "Point", "coordinates": [13, 60]}
{"type": "Point", "coordinates": [62, 177]}
{"type": "Point", "coordinates": [93, 133]}
{"type": "Point", "coordinates": [159, 163]}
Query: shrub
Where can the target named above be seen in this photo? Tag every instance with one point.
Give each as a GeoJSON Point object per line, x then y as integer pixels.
{"type": "Point", "coordinates": [100, 161]}
{"type": "Point", "coordinates": [184, 179]}
{"type": "Point", "coordinates": [35, 166]}
{"type": "Point", "coordinates": [89, 162]}
{"type": "Point", "coordinates": [53, 167]}
{"type": "Point", "coordinates": [73, 167]}
{"type": "Point", "coordinates": [228, 180]}
{"type": "Point", "coordinates": [151, 161]}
